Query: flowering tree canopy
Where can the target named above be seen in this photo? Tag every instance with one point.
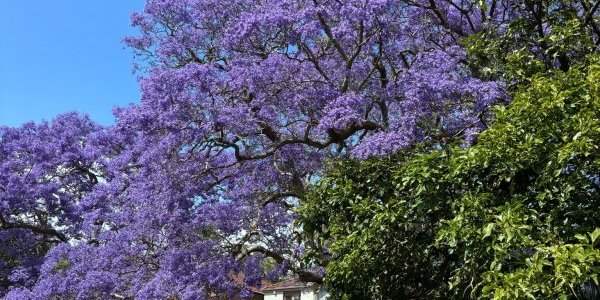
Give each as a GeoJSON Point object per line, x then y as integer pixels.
{"type": "Point", "coordinates": [191, 193]}
{"type": "Point", "coordinates": [45, 171]}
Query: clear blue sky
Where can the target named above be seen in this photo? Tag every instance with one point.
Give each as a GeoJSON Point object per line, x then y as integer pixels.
{"type": "Point", "coordinates": [65, 55]}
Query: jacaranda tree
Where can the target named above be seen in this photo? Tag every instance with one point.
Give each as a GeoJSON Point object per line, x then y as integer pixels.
{"type": "Point", "coordinates": [242, 102]}
{"type": "Point", "coordinates": [45, 171]}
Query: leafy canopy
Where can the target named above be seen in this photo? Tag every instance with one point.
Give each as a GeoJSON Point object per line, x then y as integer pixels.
{"type": "Point", "coordinates": [514, 216]}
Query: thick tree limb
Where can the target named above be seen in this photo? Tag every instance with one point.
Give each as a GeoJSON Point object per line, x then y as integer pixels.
{"type": "Point", "coordinates": [33, 228]}
{"type": "Point", "coordinates": [305, 275]}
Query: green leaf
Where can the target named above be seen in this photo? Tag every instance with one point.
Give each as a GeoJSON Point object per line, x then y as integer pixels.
{"type": "Point", "coordinates": [582, 238]}
{"type": "Point", "coordinates": [487, 230]}
{"type": "Point", "coordinates": [594, 236]}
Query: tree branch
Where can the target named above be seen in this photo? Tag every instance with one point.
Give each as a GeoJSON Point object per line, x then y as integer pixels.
{"type": "Point", "coordinates": [33, 228]}
{"type": "Point", "coordinates": [305, 275]}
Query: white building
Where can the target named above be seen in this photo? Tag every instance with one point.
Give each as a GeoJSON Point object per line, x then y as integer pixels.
{"type": "Point", "coordinates": [294, 289]}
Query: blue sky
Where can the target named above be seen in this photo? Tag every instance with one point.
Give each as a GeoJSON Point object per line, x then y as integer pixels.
{"type": "Point", "coordinates": [65, 55]}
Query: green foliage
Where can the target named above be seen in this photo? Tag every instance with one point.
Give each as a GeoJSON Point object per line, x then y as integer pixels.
{"type": "Point", "coordinates": [548, 34]}
{"type": "Point", "coordinates": [382, 224]}
{"type": "Point", "coordinates": [515, 216]}
{"type": "Point", "coordinates": [62, 265]}
{"type": "Point", "coordinates": [528, 189]}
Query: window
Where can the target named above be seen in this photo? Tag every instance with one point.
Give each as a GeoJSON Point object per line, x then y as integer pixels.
{"type": "Point", "coordinates": [291, 296]}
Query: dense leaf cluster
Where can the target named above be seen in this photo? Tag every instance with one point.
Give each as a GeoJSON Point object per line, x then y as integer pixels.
{"type": "Point", "coordinates": [514, 216]}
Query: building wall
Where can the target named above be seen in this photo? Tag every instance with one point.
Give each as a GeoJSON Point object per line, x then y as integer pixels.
{"type": "Point", "coordinates": [274, 296]}
{"type": "Point", "coordinates": [306, 294]}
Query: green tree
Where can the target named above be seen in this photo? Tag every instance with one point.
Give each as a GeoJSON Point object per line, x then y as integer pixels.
{"type": "Point", "coordinates": [515, 216]}
{"type": "Point", "coordinates": [525, 209]}
{"type": "Point", "coordinates": [378, 220]}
